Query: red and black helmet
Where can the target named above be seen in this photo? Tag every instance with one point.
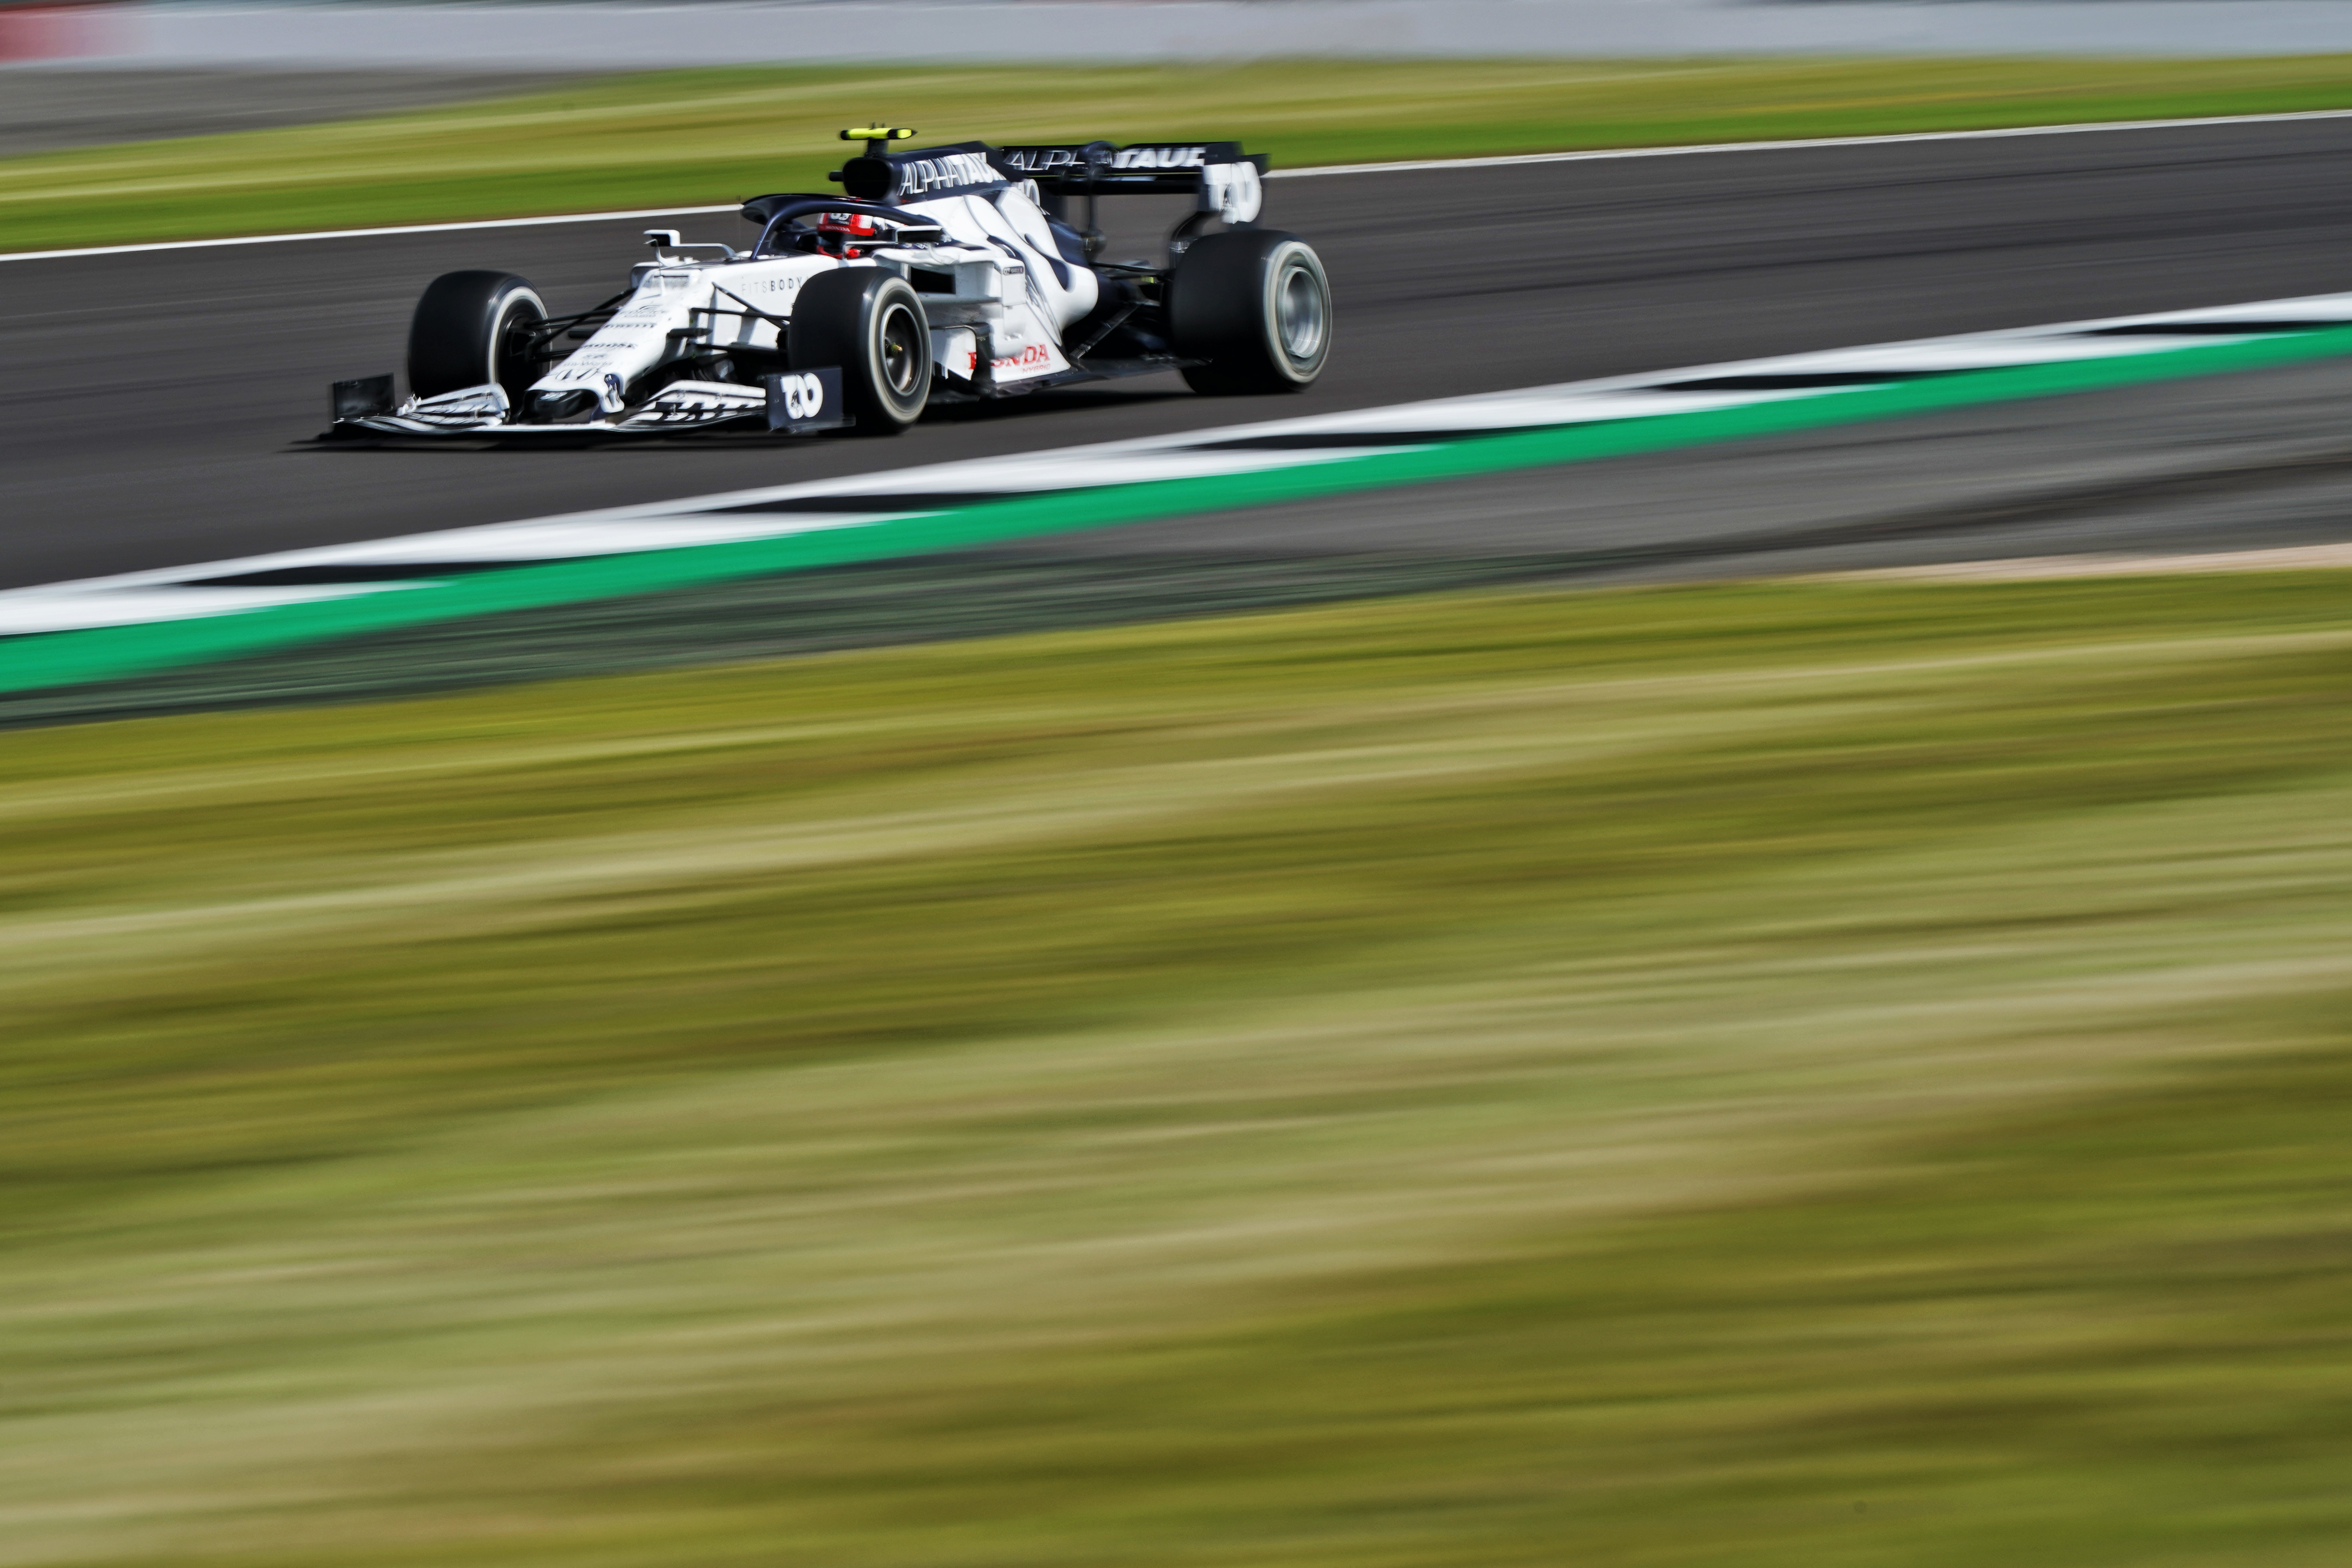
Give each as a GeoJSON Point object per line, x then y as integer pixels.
{"type": "Point", "coordinates": [845, 234]}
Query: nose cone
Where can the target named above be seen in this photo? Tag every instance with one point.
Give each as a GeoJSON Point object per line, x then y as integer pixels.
{"type": "Point", "coordinates": [554, 407]}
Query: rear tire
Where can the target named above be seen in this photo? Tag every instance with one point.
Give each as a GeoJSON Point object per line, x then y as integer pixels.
{"type": "Point", "coordinates": [871, 324]}
{"type": "Point", "coordinates": [472, 328]}
{"type": "Point", "coordinates": [1254, 303]}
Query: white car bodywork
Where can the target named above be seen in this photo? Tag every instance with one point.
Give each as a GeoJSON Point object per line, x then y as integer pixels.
{"type": "Point", "coordinates": [1006, 277]}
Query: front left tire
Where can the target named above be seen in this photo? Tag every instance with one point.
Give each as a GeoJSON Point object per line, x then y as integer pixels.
{"type": "Point", "coordinates": [870, 323]}
{"type": "Point", "coordinates": [472, 328]}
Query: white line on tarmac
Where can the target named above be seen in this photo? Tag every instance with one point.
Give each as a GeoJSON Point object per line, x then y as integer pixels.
{"type": "Point", "coordinates": [1891, 139]}
{"type": "Point", "coordinates": [1594, 155]}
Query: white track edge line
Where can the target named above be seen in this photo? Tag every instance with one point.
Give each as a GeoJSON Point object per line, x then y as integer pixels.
{"type": "Point", "coordinates": [1685, 149]}
{"type": "Point", "coordinates": [1502, 161]}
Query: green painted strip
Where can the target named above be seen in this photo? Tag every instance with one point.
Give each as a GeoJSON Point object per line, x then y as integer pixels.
{"type": "Point", "coordinates": [71, 657]}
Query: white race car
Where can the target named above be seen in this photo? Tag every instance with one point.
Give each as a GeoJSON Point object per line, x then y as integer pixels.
{"type": "Point", "coordinates": [940, 276]}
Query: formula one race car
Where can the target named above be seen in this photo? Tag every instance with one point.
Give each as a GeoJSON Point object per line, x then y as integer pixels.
{"type": "Point", "coordinates": [941, 275]}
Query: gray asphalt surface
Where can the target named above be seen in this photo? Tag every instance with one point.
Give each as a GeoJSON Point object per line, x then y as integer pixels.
{"type": "Point", "coordinates": [46, 109]}
{"type": "Point", "coordinates": [2247, 461]}
{"type": "Point", "coordinates": [154, 406]}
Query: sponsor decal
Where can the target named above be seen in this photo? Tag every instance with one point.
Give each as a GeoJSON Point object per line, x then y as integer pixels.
{"type": "Point", "coordinates": [1055, 160]}
{"type": "Point", "coordinates": [1160, 158]}
{"type": "Point", "coordinates": [1042, 160]}
{"type": "Point", "coordinates": [805, 399]}
{"type": "Point", "coordinates": [1045, 161]}
{"type": "Point", "coordinates": [803, 396]}
{"type": "Point", "coordinates": [918, 177]}
{"type": "Point", "coordinates": [696, 403]}
{"type": "Point", "coordinates": [1036, 354]}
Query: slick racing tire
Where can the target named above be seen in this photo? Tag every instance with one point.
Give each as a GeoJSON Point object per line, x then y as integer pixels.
{"type": "Point", "coordinates": [871, 324]}
{"type": "Point", "coordinates": [472, 328]}
{"type": "Point", "coordinates": [1255, 305]}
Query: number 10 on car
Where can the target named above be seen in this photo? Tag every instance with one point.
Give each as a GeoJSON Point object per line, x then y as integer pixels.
{"type": "Point", "coordinates": [804, 400]}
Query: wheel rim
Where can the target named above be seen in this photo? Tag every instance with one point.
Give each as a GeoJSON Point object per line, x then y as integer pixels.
{"type": "Point", "coordinates": [1299, 313]}
{"type": "Point", "coordinates": [512, 364]}
{"type": "Point", "coordinates": [900, 355]}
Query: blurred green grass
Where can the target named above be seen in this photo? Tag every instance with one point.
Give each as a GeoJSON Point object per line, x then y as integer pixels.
{"type": "Point", "coordinates": [1801, 1074]}
{"type": "Point", "coordinates": [703, 137]}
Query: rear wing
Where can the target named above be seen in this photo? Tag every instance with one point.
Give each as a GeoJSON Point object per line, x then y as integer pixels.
{"type": "Point", "coordinates": [1098, 168]}
{"type": "Point", "coordinates": [1219, 176]}
{"type": "Point", "coordinates": [1223, 179]}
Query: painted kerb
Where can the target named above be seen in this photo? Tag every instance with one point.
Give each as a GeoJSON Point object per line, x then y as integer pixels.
{"type": "Point", "coordinates": [71, 657]}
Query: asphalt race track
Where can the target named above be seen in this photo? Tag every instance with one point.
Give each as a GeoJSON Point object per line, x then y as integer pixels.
{"type": "Point", "coordinates": [156, 407]}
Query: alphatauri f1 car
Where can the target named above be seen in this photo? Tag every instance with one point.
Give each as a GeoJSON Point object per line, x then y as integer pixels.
{"type": "Point", "coordinates": [936, 276]}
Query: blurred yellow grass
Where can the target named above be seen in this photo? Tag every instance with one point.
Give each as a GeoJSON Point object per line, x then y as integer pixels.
{"type": "Point", "coordinates": [1785, 1075]}
{"type": "Point", "coordinates": [695, 138]}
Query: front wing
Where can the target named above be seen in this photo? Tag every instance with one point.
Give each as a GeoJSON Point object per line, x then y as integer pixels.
{"type": "Point", "coordinates": [799, 404]}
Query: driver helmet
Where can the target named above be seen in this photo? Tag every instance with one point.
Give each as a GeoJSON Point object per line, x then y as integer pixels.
{"type": "Point", "coordinates": [845, 234]}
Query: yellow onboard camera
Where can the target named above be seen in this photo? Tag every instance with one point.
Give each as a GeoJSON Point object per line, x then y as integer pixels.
{"type": "Point", "coordinates": [876, 137]}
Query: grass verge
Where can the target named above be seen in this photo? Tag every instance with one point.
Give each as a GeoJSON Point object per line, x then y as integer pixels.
{"type": "Point", "coordinates": [694, 137]}
{"type": "Point", "coordinates": [1786, 1074]}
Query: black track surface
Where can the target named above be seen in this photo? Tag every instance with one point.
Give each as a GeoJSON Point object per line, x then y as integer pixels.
{"type": "Point", "coordinates": [154, 407]}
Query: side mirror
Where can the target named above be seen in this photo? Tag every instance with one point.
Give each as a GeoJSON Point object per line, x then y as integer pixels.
{"type": "Point", "coordinates": [660, 238]}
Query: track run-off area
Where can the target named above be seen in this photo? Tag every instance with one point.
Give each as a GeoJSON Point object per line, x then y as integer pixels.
{"type": "Point", "coordinates": [1495, 315]}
